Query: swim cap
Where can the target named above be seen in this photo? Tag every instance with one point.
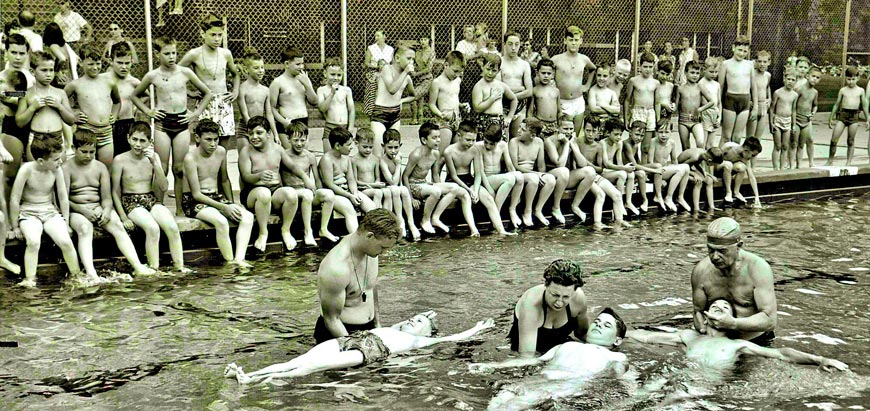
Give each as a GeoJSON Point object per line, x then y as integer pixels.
{"type": "Point", "coordinates": [723, 231]}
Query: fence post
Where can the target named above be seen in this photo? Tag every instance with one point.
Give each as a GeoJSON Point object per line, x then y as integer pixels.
{"type": "Point", "coordinates": [635, 41]}
{"type": "Point", "coordinates": [149, 51]}
{"type": "Point", "coordinates": [846, 40]}
{"type": "Point", "coordinates": [343, 39]}
{"type": "Point", "coordinates": [504, 19]}
{"type": "Point", "coordinates": [739, 16]}
{"type": "Point", "coordinates": [749, 19]}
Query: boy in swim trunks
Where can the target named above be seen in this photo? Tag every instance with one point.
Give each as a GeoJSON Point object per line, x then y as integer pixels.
{"type": "Point", "coordinates": [528, 157]}
{"type": "Point", "coordinates": [617, 170]}
{"type": "Point", "coordinates": [632, 153]}
{"type": "Point", "coordinates": [211, 62]}
{"type": "Point", "coordinates": [663, 152]}
{"type": "Point", "coordinates": [311, 192]}
{"type": "Point", "coordinates": [435, 195]}
{"type": "Point", "coordinates": [665, 96]}
{"type": "Point", "coordinates": [171, 136]}
{"type": "Point", "coordinates": [99, 102]}
{"type": "Point", "coordinates": [807, 105]}
{"type": "Point", "coordinates": [392, 80]}
{"type": "Point", "coordinates": [544, 104]}
{"type": "Point", "coordinates": [16, 77]}
{"type": "Point", "coordinates": [289, 93]}
{"type": "Point", "coordinates": [570, 68]}
{"type": "Point", "coordinates": [253, 97]}
{"type": "Point", "coordinates": [488, 95]}
{"type": "Point", "coordinates": [640, 98]}
{"type": "Point", "coordinates": [592, 151]}
{"type": "Point", "coordinates": [757, 121]}
{"type": "Point", "coordinates": [261, 191]}
{"type": "Point", "coordinates": [335, 101]}
{"type": "Point", "coordinates": [501, 182]}
{"type": "Point", "coordinates": [782, 118]}
{"type": "Point", "coordinates": [692, 100]}
{"type": "Point", "coordinates": [603, 100]}
{"type": "Point", "coordinates": [137, 176]}
{"type": "Point", "coordinates": [736, 160]}
{"type": "Point", "coordinates": [711, 118]}
{"type": "Point", "coordinates": [337, 173]}
{"type": "Point", "coordinates": [46, 108]}
{"type": "Point", "coordinates": [563, 160]}
{"type": "Point", "coordinates": [461, 157]}
{"type": "Point", "coordinates": [90, 202]}
{"type": "Point", "coordinates": [366, 168]}
{"type": "Point", "coordinates": [846, 114]}
{"type": "Point", "coordinates": [208, 194]}
{"type": "Point", "coordinates": [516, 73]}
{"type": "Point", "coordinates": [444, 98]}
{"type": "Point", "coordinates": [701, 163]}
{"type": "Point", "coordinates": [119, 74]}
{"type": "Point", "coordinates": [31, 207]}
{"type": "Point", "coordinates": [618, 79]}
{"type": "Point", "coordinates": [739, 96]}
{"type": "Point", "coordinates": [391, 173]}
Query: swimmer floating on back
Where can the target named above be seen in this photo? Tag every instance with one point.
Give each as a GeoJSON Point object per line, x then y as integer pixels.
{"type": "Point", "coordinates": [358, 349]}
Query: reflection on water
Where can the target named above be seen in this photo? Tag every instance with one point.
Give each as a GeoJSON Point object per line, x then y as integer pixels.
{"type": "Point", "coordinates": [163, 342]}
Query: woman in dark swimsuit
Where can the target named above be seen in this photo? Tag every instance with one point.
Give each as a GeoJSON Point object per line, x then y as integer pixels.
{"type": "Point", "coordinates": [546, 315]}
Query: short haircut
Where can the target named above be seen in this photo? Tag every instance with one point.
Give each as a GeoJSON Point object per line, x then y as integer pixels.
{"type": "Point", "coordinates": [83, 138]}
{"type": "Point", "coordinates": [605, 66]}
{"type": "Point", "coordinates": [392, 135]}
{"type": "Point", "coordinates": [565, 118]}
{"type": "Point", "coordinates": [426, 129]}
{"type": "Point", "coordinates": [11, 25]}
{"type": "Point", "coordinates": [592, 121]}
{"type": "Point", "coordinates": [752, 144]}
{"type": "Point", "coordinates": [741, 41]}
{"type": "Point", "coordinates": [163, 41]}
{"type": "Point", "coordinates": [332, 62]}
{"type": "Point", "coordinates": [492, 59]}
{"type": "Point", "coordinates": [295, 128]}
{"type": "Point", "coordinates": [51, 35]}
{"type": "Point", "coordinates": [492, 134]}
{"type": "Point", "coordinates": [534, 125]}
{"type": "Point", "coordinates": [339, 136]}
{"type": "Point", "coordinates": [258, 121]}
{"type": "Point", "coordinates": [512, 33]}
{"type": "Point", "coordinates": [468, 126]}
{"type": "Point", "coordinates": [546, 63]}
{"type": "Point", "coordinates": [140, 127]}
{"type": "Point", "coordinates": [623, 64]}
{"type": "Point", "coordinates": [790, 72]}
{"type": "Point", "coordinates": [455, 56]}
{"type": "Point", "coordinates": [37, 57]}
{"type": "Point", "coordinates": [815, 69]}
{"type": "Point", "coordinates": [251, 54]}
{"type": "Point", "coordinates": [365, 135]}
{"type": "Point", "coordinates": [851, 71]}
{"type": "Point", "coordinates": [763, 53]}
{"type": "Point", "coordinates": [211, 20]}
{"type": "Point", "coordinates": [710, 304]}
{"type": "Point", "coordinates": [711, 62]}
{"type": "Point", "coordinates": [804, 59]}
{"type": "Point", "coordinates": [403, 48]}
{"type": "Point", "coordinates": [380, 221]}
{"type": "Point", "coordinates": [91, 51]}
{"type": "Point", "coordinates": [612, 124]}
{"type": "Point", "coordinates": [45, 144]}
{"type": "Point", "coordinates": [620, 324]}
{"type": "Point", "coordinates": [666, 65]}
{"type": "Point", "coordinates": [26, 18]}
{"type": "Point", "coordinates": [638, 125]}
{"type": "Point", "coordinates": [207, 126]}
{"type": "Point", "coordinates": [647, 57]}
{"type": "Point", "coordinates": [692, 65]}
{"type": "Point", "coordinates": [18, 40]}
{"type": "Point", "coordinates": [564, 272]}
{"type": "Point", "coordinates": [120, 49]}
{"type": "Point", "coordinates": [572, 31]}
{"type": "Point", "coordinates": [291, 53]}
{"type": "Point", "coordinates": [716, 155]}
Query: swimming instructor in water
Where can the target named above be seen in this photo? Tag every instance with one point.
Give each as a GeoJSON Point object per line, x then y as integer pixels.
{"type": "Point", "coordinates": [348, 277]}
{"type": "Point", "coordinates": [743, 278]}
{"type": "Point", "coordinates": [548, 314]}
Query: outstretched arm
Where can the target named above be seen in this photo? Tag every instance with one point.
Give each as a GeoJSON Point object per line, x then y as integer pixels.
{"type": "Point", "coordinates": [421, 342]}
{"type": "Point", "coordinates": [514, 362]}
{"type": "Point", "coordinates": [792, 355]}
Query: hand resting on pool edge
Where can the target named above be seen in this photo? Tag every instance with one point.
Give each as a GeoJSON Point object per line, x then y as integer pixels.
{"type": "Point", "coordinates": [360, 348]}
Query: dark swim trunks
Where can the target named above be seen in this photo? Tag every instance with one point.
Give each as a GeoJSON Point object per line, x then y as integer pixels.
{"type": "Point", "coordinates": [191, 207]}
{"type": "Point", "coordinates": [11, 128]}
{"type": "Point", "coordinates": [172, 123]}
{"type": "Point", "coordinates": [246, 191]}
{"type": "Point", "coordinates": [737, 103]}
{"type": "Point", "coordinates": [468, 179]}
{"type": "Point", "coordinates": [322, 334]}
{"type": "Point", "coordinates": [385, 115]}
{"type": "Point", "coordinates": [131, 202]}
{"type": "Point", "coordinates": [370, 345]}
{"type": "Point", "coordinates": [848, 116]}
{"type": "Point", "coordinates": [764, 340]}
{"type": "Point", "coordinates": [485, 120]}
{"type": "Point", "coordinates": [120, 132]}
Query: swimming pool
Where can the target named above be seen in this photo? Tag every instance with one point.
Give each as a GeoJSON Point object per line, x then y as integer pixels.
{"type": "Point", "coordinates": [162, 343]}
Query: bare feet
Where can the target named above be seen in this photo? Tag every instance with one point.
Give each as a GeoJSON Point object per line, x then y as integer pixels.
{"type": "Point", "coordinates": [624, 223]}
{"type": "Point", "coordinates": [515, 219]}
{"type": "Point", "coordinates": [661, 204]}
{"type": "Point", "coordinates": [527, 220]}
{"type": "Point", "coordinates": [644, 206]}
{"type": "Point", "coordinates": [143, 269]}
{"type": "Point", "coordinates": [740, 197]}
{"type": "Point", "coordinates": [632, 208]}
{"type": "Point", "coordinates": [329, 236]}
{"type": "Point", "coordinates": [812, 165]}
{"type": "Point", "coordinates": [27, 283]}
{"type": "Point", "coordinates": [682, 202]}
{"type": "Point", "coordinates": [289, 241]}
{"type": "Point", "coordinates": [183, 270]}
{"type": "Point", "coordinates": [475, 233]}
{"type": "Point", "coordinates": [540, 216]}
{"type": "Point", "coordinates": [670, 203]}
{"type": "Point", "coordinates": [415, 233]}
{"type": "Point", "coordinates": [579, 213]}
{"type": "Point", "coordinates": [440, 225]}
{"type": "Point", "coordinates": [729, 198]}
{"type": "Point", "coordinates": [240, 263]}
{"type": "Point", "coordinates": [598, 226]}
{"type": "Point", "coordinates": [231, 370]}
{"type": "Point", "coordinates": [506, 233]}
{"type": "Point", "coordinates": [427, 227]}
{"type": "Point", "coordinates": [10, 266]}
{"type": "Point", "coordinates": [260, 243]}
{"type": "Point", "coordinates": [309, 240]}
{"type": "Point", "coordinates": [557, 214]}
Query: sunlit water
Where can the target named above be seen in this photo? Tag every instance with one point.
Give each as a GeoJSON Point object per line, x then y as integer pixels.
{"type": "Point", "coordinates": [162, 343]}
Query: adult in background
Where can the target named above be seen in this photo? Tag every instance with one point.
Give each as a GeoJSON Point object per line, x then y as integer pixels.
{"type": "Point", "coordinates": [377, 56]}
{"type": "Point", "coordinates": [348, 277]}
{"type": "Point", "coordinates": [75, 28]}
{"type": "Point", "coordinates": [116, 35]}
{"type": "Point", "coordinates": [743, 278]}
{"type": "Point", "coordinates": [27, 20]}
{"type": "Point", "coordinates": [67, 61]}
{"type": "Point", "coordinates": [547, 314]}
{"type": "Point", "coordinates": [687, 54]}
{"type": "Point", "coordinates": [468, 45]}
{"type": "Point", "coordinates": [422, 77]}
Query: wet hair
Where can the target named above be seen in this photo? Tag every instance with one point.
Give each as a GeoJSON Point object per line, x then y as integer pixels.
{"type": "Point", "coordinates": [851, 71]}
{"type": "Point", "coordinates": [752, 144]}
{"type": "Point", "coordinates": [392, 135]}
{"type": "Point", "coordinates": [37, 57]}
{"type": "Point", "coordinates": [211, 20]}
{"type": "Point", "coordinates": [741, 41]}
{"type": "Point", "coordinates": [296, 128]}
{"type": "Point", "coordinates": [534, 125]}
{"type": "Point", "coordinates": [666, 65]}
{"type": "Point", "coordinates": [52, 34]}
{"type": "Point", "coordinates": [710, 304]}
{"type": "Point", "coordinates": [620, 324]}
{"type": "Point", "coordinates": [163, 41]}
{"type": "Point", "coordinates": [339, 136]}
{"type": "Point", "coordinates": [454, 56]}
{"type": "Point", "coordinates": [380, 221]}
{"type": "Point", "coordinates": [716, 155]}
{"type": "Point", "coordinates": [546, 63]}
{"type": "Point", "coordinates": [331, 62]}
{"type": "Point", "coordinates": [492, 59]}
{"type": "Point", "coordinates": [492, 134]}
{"type": "Point", "coordinates": [259, 121]}
{"type": "Point", "coordinates": [91, 51]}
{"type": "Point", "coordinates": [291, 53]}
{"type": "Point", "coordinates": [140, 127]}
{"type": "Point", "coordinates": [468, 126]}
{"type": "Point", "coordinates": [45, 144]}
{"type": "Point", "coordinates": [692, 65]}
{"type": "Point", "coordinates": [762, 53]}
{"type": "Point", "coordinates": [26, 18]}
{"type": "Point", "coordinates": [83, 138]}
{"type": "Point", "coordinates": [120, 49]}
{"type": "Point", "coordinates": [564, 272]}
{"type": "Point", "coordinates": [572, 31]}
{"type": "Point", "coordinates": [512, 33]}
{"type": "Point", "coordinates": [18, 40]}
{"type": "Point", "coordinates": [426, 129]}
{"type": "Point", "coordinates": [207, 126]}
{"type": "Point", "coordinates": [365, 135]}
{"type": "Point", "coordinates": [638, 125]}
{"type": "Point", "coordinates": [647, 57]}
{"type": "Point", "coordinates": [612, 124]}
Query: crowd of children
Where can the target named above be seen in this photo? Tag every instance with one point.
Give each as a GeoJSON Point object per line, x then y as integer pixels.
{"type": "Point", "coordinates": [532, 134]}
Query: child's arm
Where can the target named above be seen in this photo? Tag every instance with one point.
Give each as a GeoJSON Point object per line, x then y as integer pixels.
{"type": "Point", "coordinates": [325, 94]}
{"type": "Point", "coordinates": [117, 173]}
{"type": "Point", "coordinates": [513, 107]}
{"type": "Point", "coordinates": [62, 194]}
{"type": "Point", "coordinates": [115, 94]}
{"type": "Point", "coordinates": [590, 78]}
{"type": "Point", "coordinates": [394, 84]}
{"type": "Point", "coordinates": [864, 103]}
{"type": "Point", "coordinates": [451, 170]}
{"type": "Point", "coordinates": [207, 94]}
{"type": "Point", "coordinates": [105, 192]}
{"type": "Point", "coordinates": [351, 110]}
{"type": "Point", "coordinates": [540, 163]}
{"type": "Point", "coordinates": [794, 103]}
{"type": "Point", "coordinates": [270, 117]}
{"type": "Point", "coordinates": [61, 104]}
{"type": "Point", "coordinates": [274, 92]}
{"type": "Point", "coordinates": [835, 109]}
{"type": "Point", "coordinates": [434, 90]}
{"type": "Point", "coordinates": [629, 100]}
{"type": "Point", "coordinates": [159, 183]}
{"type": "Point", "coordinates": [245, 168]}
{"type": "Point", "coordinates": [435, 171]}
{"type": "Point", "coordinates": [410, 92]}
{"type": "Point", "coordinates": [608, 163]}
{"type": "Point", "coordinates": [773, 102]}
{"type": "Point", "coordinates": [792, 355]}
{"type": "Point", "coordinates": [226, 185]}
{"type": "Point", "coordinates": [326, 175]}
{"type": "Point", "coordinates": [409, 168]}
{"type": "Point", "coordinates": [15, 195]}
{"type": "Point", "coordinates": [243, 105]}
{"type": "Point", "coordinates": [389, 178]}
{"type": "Point", "coordinates": [351, 181]}
{"type": "Point", "coordinates": [506, 158]}
{"type": "Point", "coordinates": [533, 107]}
{"type": "Point", "coordinates": [140, 89]}
{"type": "Point", "coordinates": [481, 103]}
{"type": "Point", "coordinates": [237, 79]}
{"type": "Point", "coordinates": [710, 100]}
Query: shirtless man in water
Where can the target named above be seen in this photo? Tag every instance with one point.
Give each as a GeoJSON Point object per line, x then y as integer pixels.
{"type": "Point", "coordinates": [570, 67]}
{"type": "Point", "coordinates": [348, 277]}
{"type": "Point", "coordinates": [742, 277]}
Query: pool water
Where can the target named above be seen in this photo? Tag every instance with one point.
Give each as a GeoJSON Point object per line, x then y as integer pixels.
{"type": "Point", "coordinates": [162, 343]}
